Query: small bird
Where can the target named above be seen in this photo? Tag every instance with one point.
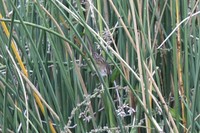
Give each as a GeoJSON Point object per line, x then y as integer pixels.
{"type": "Point", "coordinates": [102, 65]}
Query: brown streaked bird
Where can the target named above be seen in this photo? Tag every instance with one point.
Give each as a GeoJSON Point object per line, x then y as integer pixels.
{"type": "Point", "coordinates": [102, 65]}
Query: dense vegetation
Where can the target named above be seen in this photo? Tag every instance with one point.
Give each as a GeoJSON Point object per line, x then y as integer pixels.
{"type": "Point", "coordinates": [51, 82]}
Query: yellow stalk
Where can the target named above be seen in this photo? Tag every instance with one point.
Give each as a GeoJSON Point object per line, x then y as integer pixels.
{"type": "Point", "coordinates": [180, 80]}
{"type": "Point", "coordinates": [15, 50]}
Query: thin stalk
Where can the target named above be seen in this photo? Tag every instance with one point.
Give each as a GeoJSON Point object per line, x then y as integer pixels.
{"type": "Point", "coordinates": [139, 62]}
{"type": "Point", "coordinates": [179, 67]}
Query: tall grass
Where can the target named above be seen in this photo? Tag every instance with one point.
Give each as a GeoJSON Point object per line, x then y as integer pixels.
{"type": "Point", "coordinates": [49, 81]}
